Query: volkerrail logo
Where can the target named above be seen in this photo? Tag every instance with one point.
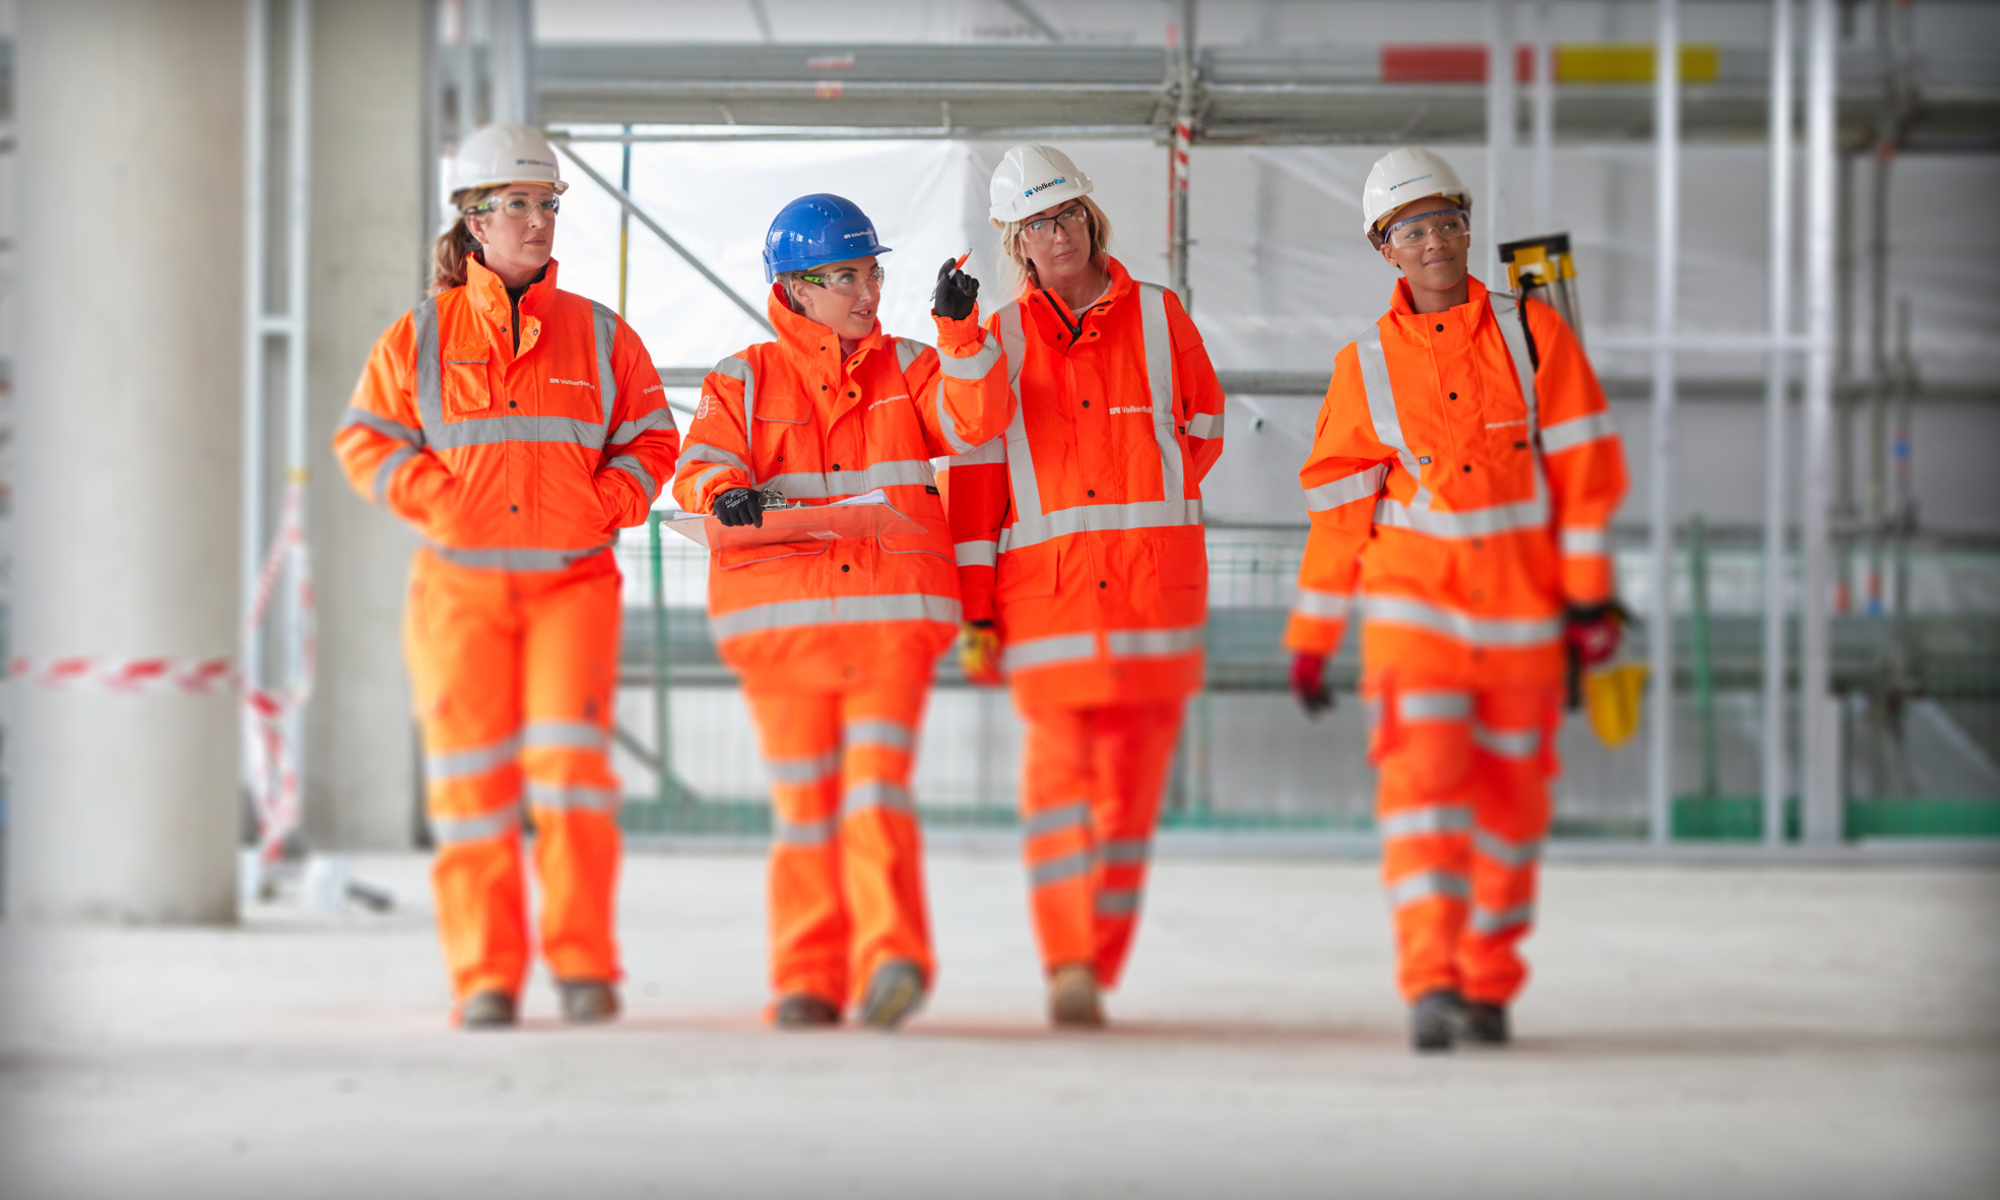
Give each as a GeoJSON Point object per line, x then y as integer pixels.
{"type": "Point", "coordinates": [1408, 182]}
{"type": "Point", "coordinates": [1043, 187]}
{"type": "Point", "coordinates": [1131, 408]}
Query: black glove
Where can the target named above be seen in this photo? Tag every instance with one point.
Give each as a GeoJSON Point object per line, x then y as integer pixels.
{"type": "Point", "coordinates": [955, 292]}
{"type": "Point", "coordinates": [739, 506]}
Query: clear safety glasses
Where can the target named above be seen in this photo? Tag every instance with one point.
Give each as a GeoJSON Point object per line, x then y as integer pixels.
{"type": "Point", "coordinates": [1449, 225]}
{"type": "Point", "coordinates": [1073, 221]}
{"type": "Point", "coordinates": [517, 206]}
{"type": "Point", "coordinates": [845, 282]}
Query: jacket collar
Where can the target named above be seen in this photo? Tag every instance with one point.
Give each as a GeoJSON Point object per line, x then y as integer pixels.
{"type": "Point", "coordinates": [1476, 302]}
{"type": "Point", "coordinates": [807, 342]}
{"type": "Point", "coordinates": [1044, 301]}
{"type": "Point", "coordinates": [489, 295]}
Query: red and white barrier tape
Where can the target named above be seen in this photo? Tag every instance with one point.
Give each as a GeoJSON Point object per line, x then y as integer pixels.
{"type": "Point", "coordinates": [267, 713]}
{"type": "Point", "coordinates": [135, 675]}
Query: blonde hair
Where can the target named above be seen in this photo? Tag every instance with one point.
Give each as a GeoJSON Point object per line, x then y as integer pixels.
{"type": "Point", "coordinates": [1013, 247]}
{"type": "Point", "coordinates": [456, 244]}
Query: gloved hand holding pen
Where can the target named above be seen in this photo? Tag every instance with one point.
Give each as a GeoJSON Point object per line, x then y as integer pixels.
{"type": "Point", "coordinates": [957, 292]}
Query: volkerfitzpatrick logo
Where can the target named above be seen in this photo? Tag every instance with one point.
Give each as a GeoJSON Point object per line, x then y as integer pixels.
{"type": "Point", "coordinates": [1042, 187]}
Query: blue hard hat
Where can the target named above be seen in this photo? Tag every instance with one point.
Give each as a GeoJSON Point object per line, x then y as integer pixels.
{"type": "Point", "coordinates": [815, 230]}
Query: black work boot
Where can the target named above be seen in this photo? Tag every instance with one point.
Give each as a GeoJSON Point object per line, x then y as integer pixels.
{"type": "Point", "coordinates": [1435, 1020]}
{"type": "Point", "coordinates": [1485, 1025]}
{"type": "Point", "coordinates": [490, 1009]}
{"type": "Point", "coordinates": [587, 1001]}
{"type": "Point", "coordinates": [894, 992]}
{"type": "Point", "coordinates": [802, 1010]}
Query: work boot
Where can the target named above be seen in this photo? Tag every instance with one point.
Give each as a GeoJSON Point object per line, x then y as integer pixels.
{"type": "Point", "coordinates": [587, 1001]}
{"type": "Point", "coordinates": [1485, 1025]}
{"type": "Point", "coordinates": [490, 1009]}
{"type": "Point", "coordinates": [1435, 1020]}
{"type": "Point", "coordinates": [894, 992]}
{"type": "Point", "coordinates": [802, 1010]}
{"type": "Point", "coordinates": [1073, 998]}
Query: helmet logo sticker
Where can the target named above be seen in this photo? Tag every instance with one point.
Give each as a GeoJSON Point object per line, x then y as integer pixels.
{"type": "Point", "coordinates": [1042, 187]}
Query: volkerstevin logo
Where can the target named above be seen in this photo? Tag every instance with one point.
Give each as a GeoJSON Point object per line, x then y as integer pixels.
{"type": "Point", "coordinates": [868, 233]}
{"type": "Point", "coordinates": [1408, 182]}
{"type": "Point", "coordinates": [1043, 187]}
{"type": "Point", "coordinates": [570, 382]}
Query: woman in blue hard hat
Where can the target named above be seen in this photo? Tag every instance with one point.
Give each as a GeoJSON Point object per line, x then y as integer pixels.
{"type": "Point", "coordinates": [835, 640]}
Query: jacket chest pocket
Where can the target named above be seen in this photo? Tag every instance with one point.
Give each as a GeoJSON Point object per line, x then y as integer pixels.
{"type": "Point", "coordinates": [467, 384]}
{"type": "Point", "coordinates": [781, 446]}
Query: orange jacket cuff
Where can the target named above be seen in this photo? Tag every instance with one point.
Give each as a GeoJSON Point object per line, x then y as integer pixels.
{"type": "Point", "coordinates": [962, 338]}
{"type": "Point", "coordinates": [1586, 578]}
{"type": "Point", "coordinates": [1313, 635]}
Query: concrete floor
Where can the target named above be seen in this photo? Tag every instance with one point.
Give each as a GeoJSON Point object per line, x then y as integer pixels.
{"type": "Point", "coordinates": [1736, 1031]}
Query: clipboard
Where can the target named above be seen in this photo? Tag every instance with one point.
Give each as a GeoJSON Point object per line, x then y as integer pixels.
{"type": "Point", "coordinates": [859, 517]}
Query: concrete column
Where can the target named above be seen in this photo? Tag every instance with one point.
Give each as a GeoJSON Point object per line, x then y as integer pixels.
{"type": "Point", "coordinates": [369, 214]}
{"type": "Point", "coordinates": [130, 114]}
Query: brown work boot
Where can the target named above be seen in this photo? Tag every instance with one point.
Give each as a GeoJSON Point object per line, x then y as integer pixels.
{"type": "Point", "coordinates": [587, 1001]}
{"type": "Point", "coordinates": [1073, 997]}
{"type": "Point", "coordinates": [490, 1009]}
{"type": "Point", "coordinates": [894, 992]}
{"type": "Point", "coordinates": [803, 1010]}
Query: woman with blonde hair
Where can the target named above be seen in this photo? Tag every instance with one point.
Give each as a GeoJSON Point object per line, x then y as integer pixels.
{"type": "Point", "coordinates": [1081, 560]}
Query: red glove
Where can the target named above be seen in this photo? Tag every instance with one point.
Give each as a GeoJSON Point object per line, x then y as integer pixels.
{"type": "Point", "coordinates": [1309, 683]}
{"type": "Point", "coordinates": [1593, 633]}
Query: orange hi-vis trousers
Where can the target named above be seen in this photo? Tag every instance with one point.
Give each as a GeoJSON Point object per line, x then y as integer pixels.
{"type": "Point", "coordinates": [1090, 797]}
{"type": "Point", "coordinates": [846, 872]}
{"type": "Point", "coordinates": [514, 675]}
{"type": "Point", "coordinates": [1462, 809]}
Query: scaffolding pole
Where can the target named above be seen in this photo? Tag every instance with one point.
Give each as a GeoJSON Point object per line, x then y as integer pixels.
{"type": "Point", "coordinates": [1501, 114]}
{"type": "Point", "coordinates": [1545, 117]}
{"type": "Point", "coordinates": [1660, 640]}
{"type": "Point", "coordinates": [1177, 165]}
{"type": "Point", "coordinates": [1778, 322]}
{"type": "Point", "coordinates": [1820, 816]}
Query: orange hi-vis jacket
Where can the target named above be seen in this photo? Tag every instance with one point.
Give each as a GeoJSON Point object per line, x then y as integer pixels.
{"type": "Point", "coordinates": [1080, 534]}
{"type": "Point", "coordinates": [1467, 498]}
{"type": "Point", "coordinates": [790, 415]}
{"type": "Point", "coordinates": [519, 461]}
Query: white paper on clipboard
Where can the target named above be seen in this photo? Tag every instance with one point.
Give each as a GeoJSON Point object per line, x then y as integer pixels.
{"type": "Point", "coordinates": [862, 516]}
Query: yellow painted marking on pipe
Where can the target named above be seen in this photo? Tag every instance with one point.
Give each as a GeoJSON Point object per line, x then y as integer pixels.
{"type": "Point", "coordinates": [1614, 62]}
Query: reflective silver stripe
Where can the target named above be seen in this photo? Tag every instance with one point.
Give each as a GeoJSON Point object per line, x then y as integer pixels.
{"type": "Point", "coordinates": [1441, 818]}
{"type": "Point", "coordinates": [1362, 485]}
{"type": "Point", "coordinates": [701, 452]}
{"type": "Point", "coordinates": [1532, 513]}
{"type": "Point", "coordinates": [1127, 851]}
{"type": "Point", "coordinates": [566, 735]}
{"type": "Point", "coordinates": [1511, 319]}
{"type": "Point", "coordinates": [629, 431]}
{"type": "Point", "coordinates": [429, 371]}
{"type": "Point", "coordinates": [490, 431]}
{"type": "Point", "coordinates": [737, 368]}
{"type": "Point", "coordinates": [833, 485]}
{"type": "Point", "coordinates": [1153, 643]}
{"type": "Point", "coordinates": [1486, 922]}
{"type": "Point", "coordinates": [571, 795]}
{"type": "Point", "coordinates": [1058, 870]}
{"type": "Point", "coordinates": [1565, 435]}
{"type": "Point", "coordinates": [976, 554]}
{"type": "Point", "coordinates": [1095, 518]}
{"type": "Point", "coordinates": [511, 558]}
{"type": "Point", "coordinates": [474, 760]}
{"type": "Point", "coordinates": [1382, 413]}
{"type": "Point", "coordinates": [387, 471]}
{"type": "Point", "coordinates": [1504, 852]}
{"type": "Point", "coordinates": [1027, 493]}
{"type": "Point", "coordinates": [994, 451]}
{"type": "Point", "coordinates": [604, 327]}
{"type": "Point", "coordinates": [1117, 902]}
{"type": "Point", "coordinates": [908, 350]}
{"type": "Point", "coordinates": [1205, 425]}
{"type": "Point", "coordinates": [947, 423]}
{"type": "Point", "coordinates": [1583, 541]}
{"type": "Point", "coordinates": [357, 415]}
{"type": "Point", "coordinates": [795, 614]}
{"type": "Point", "coordinates": [876, 794]}
{"type": "Point", "coordinates": [698, 482]}
{"type": "Point", "coordinates": [1042, 652]}
{"type": "Point", "coordinates": [456, 831]}
{"type": "Point", "coordinates": [1425, 884]}
{"type": "Point", "coordinates": [1481, 631]}
{"type": "Point", "coordinates": [631, 465]}
{"type": "Point", "coordinates": [1523, 744]}
{"type": "Point", "coordinates": [804, 834]}
{"type": "Point", "coordinates": [1327, 606]}
{"type": "Point", "coordinates": [1422, 705]}
{"type": "Point", "coordinates": [804, 770]}
{"type": "Point", "coordinates": [874, 731]}
{"type": "Point", "coordinates": [972, 366]}
{"type": "Point", "coordinates": [1073, 815]}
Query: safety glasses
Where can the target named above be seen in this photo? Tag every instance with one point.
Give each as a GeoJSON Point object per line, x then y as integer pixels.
{"type": "Point", "coordinates": [1448, 224]}
{"type": "Point", "coordinates": [845, 282]}
{"type": "Point", "coordinates": [1074, 221]}
{"type": "Point", "coordinates": [517, 206]}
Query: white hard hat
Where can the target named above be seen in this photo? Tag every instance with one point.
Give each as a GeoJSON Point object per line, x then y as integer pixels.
{"type": "Point", "coordinates": [1030, 178]}
{"type": "Point", "coordinates": [505, 152]}
{"type": "Point", "coordinates": [1405, 174]}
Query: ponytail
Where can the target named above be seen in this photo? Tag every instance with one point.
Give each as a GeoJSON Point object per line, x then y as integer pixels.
{"type": "Point", "coordinates": [456, 244]}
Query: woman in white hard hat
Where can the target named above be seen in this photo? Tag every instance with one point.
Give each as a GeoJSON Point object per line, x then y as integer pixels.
{"type": "Point", "coordinates": [1426, 488]}
{"type": "Point", "coordinates": [517, 427]}
{"type": "Point", "coordinates": [1082, 561]}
